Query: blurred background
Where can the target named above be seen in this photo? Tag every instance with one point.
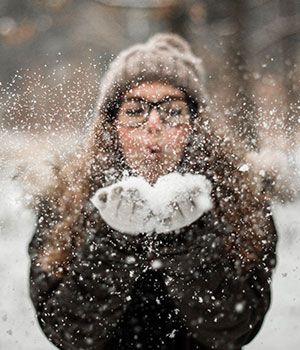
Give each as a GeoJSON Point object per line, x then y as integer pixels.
{"type": "Point", "coordinates": [54, 51]}
{"type": "Point", "coordinates": [53, 54]}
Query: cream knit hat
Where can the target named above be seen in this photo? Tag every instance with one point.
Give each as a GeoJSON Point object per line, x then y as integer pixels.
{"type": "Point", "coordinates": [164, 57]}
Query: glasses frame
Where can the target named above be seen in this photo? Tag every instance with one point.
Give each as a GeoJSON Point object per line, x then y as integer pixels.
{"type": "Point", "coordinates": [150, 105]}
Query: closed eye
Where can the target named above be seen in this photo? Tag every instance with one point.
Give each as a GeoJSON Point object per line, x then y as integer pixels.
{"type": "Point", "coordinates": [133, 112]}
{"type": "Point", "coordinates": [175, 112]}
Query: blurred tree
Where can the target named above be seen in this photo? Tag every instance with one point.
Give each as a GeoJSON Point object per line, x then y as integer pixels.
{"type": "Point", "coordinates": [289, 59]}
{"type": "Point", "coordinates": [230, 19]}
{"type": "Point", "coordinates": [244, 109]}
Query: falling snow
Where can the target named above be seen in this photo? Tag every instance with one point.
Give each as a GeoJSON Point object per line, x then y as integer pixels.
{"type": "Point", "coordinates": [26, 163]}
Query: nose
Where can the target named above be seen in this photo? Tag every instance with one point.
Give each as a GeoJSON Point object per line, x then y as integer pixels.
{"type": "Point", "coordinates": [154, 124]}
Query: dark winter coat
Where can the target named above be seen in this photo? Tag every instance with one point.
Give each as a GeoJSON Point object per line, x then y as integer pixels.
{"type": "Point", "coordinates": [169, 291]}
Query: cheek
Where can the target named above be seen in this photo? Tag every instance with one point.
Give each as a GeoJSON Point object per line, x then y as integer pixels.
{"type": "Point", "coordinates": [130, 140]}
{"type": "Point", "coordinates": [176, 139]}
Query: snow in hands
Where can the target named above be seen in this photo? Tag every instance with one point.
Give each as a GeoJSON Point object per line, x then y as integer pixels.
{"type": "Point", "coordinates": [133, 206]}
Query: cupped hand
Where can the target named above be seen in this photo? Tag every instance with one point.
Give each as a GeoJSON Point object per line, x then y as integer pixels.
{"type": "Point", "coordinates": [124, 207]}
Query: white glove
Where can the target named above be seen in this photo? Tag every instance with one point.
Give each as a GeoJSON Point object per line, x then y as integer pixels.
{"type": "Point", "coordinates": [133, 206]}
{"type": "Point", "coordinates": [186, 199]}
{"type": "Point", "coordinates": [124, 207]}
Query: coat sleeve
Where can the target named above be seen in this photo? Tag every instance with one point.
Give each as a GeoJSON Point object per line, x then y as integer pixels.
{"type": "Point", "coordinates": [223, 308]}
{"type": "Point", "coordinates": [82, 308]}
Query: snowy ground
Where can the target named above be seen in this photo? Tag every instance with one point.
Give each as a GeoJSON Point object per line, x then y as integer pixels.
{"type": "Point", "coordinates": [19, 329]}
{"type": "Point", "coordinates": [281, 329]}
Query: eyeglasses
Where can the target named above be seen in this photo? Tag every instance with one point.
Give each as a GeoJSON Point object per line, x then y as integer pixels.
{"type": "Point", "coordinates": [172, 112]}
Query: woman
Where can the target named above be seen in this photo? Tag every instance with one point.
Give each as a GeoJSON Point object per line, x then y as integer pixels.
{"type": "Point", "coordinates": [156, 236]}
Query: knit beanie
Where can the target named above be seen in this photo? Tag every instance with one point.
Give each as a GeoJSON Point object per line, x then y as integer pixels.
{"type": "Point", "coordinates": [165, 57]}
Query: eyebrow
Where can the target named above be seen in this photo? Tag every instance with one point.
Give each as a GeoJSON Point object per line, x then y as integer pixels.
{"type": "Point", "coordinates": [164, 99]}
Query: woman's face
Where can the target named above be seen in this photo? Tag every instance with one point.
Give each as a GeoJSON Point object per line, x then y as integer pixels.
{"type": "Point", "coordinates": [153, 125]}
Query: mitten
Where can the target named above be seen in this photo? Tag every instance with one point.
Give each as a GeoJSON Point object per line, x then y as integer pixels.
{"type": "Point", "coordinates": [124, 206]}
{"type": "Point", "coordinates": [188, 198]}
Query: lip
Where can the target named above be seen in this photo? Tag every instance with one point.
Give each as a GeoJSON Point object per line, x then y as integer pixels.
{"type": "Point", "coordinates": [153, 152]}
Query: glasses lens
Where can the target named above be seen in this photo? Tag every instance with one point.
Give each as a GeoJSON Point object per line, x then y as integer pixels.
{"type": "Point", "coordinates": [134, 113]}
{"type": "Point", "coordinates": [174, 113]}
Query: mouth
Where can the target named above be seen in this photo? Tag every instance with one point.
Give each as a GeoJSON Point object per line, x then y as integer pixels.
{"type": "Point", "coordinates": [153, 152]}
